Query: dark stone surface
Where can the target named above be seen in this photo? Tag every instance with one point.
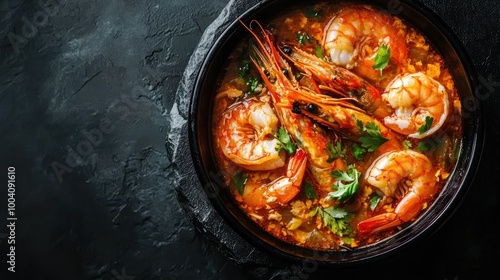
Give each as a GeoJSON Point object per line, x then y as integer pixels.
{"type": "Point", "coordinates": [87, 103]}
{"type": "Point", "coordinates": [88, 91]}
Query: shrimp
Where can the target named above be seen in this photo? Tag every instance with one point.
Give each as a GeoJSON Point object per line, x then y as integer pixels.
{"type": "Point", "coordinates": [280, 81]}
{"type": "Point", "coordinates": [416, 98]}
{"type": "Point", "coordinates": [338, 80]}
{"type": "Point", "coordinates": [340, 117]}
{"type": "Point", "coordinates": [246, 135]}
{"type": "Point", "coordinates": [281, 190]}
{"type": "Point", "coordinates": [387, 174]}
{"type": "Point", "coordinates": [352, 38]}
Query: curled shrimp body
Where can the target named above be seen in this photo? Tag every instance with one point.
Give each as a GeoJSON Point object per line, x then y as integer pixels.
{"type": "Point", "coordinates": [387, 174]}
{"type": "Point", "coordinates": [414, 98]}
{"type": "Point", "coordinates": [352, 37]}
{"type": "Point", "coordinates": [246, 135]}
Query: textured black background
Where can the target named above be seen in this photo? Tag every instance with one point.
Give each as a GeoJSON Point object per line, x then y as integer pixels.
{"type": "Point", "coordinates": [91, 87]}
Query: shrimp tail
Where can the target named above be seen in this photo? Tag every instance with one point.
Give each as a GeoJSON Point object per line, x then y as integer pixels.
{"type": "Point", "coordinates": [284, 189]}
{"type": "Point", "coordinates": [408, 208]}
{"type": "Point", "coordinates": [378, 223]}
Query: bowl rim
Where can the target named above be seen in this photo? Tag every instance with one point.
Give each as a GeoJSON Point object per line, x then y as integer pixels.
{"type": "Point", "coordinates": [396, 242]}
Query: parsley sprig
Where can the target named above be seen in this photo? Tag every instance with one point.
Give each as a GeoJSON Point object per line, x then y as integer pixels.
{"type": "Point", "coordinates": [382, 58]}
{"type": "Point", "coordinates": [240, 179]}
{"type": "Point", "coordinates": [357, 151]}
{"type": "Point", "coordinates": [303, 38]}
{"type": "Point", "coordinates": [336, 219]}
{"type": "Point", "coordinates": [253, 84]}
{"type": "Point", "coordinates": [319, 52]}
{"type": "Point", "coordinates": [426, 126]}
{"type": "Point", "coordinates": [347, 183]}
{"type": "Point", "coordinates": [407, 144]}
{"type": "Point", "coordinates": [374, 202]}
{"type": "Point", "coordinates": [284, 142]}
{"type": "Point", "coordinates": [335, 151]}
{"type": "Point", "coordinates": [371, 138]}
{"type": "Point", "coordinates": [309, 190]}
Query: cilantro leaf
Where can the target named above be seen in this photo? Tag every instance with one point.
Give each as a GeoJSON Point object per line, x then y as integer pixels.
{"type": "Point", "coordinates": [319, 52]}
{"type": "Point", "coordinates": [374, 202]}
{"type": "Point", "coordinates": [371, 138]}
{"type": "Point", "coordinates": [335, 219]}
{"type": "Point", "coordinates": [253, 85]}
{"type": "Point", "coordinates": [303, 38]}
{"type": "Point", "coordinates": [427, 125]}
{"type": "Point", "coordinates": [240, 179]}
{"type": "Point", "coordinates": [284, 142]}
{"type": "Point", "coordinates": [425, 146]}
{"type": "Point", "coordinates": [314, 212]}
{"type": "Point", "coordinates": [406, 144]}
{"type": "Point", "coordinates": [360, 125]}
{"type": "Point", "coordinates": [347, 183]}
{"type": "Point", "coordinates": [334, 152]}
{"type": "Point", "coordinates": [382, 58]}
{"type": "Point", "coordinates": [358, 152]}
{"type": "Point", "coordinates": [309, 190]}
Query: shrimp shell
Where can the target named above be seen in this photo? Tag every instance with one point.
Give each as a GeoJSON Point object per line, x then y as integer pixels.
{"type": "Point", "coordinates": [414, 97]}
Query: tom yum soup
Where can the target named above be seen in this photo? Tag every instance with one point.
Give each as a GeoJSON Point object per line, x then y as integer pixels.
{"type": "Point", "coordinates": [335, 125]}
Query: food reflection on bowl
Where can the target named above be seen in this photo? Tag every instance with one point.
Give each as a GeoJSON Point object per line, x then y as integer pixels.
{"type": "Point", "coordinates": [336, 129]}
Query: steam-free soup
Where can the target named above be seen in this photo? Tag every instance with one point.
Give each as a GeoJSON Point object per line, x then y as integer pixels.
{"type": "Point", "coordinates": [336, 125]}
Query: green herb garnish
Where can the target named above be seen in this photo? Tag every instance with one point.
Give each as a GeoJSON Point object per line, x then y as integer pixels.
{"type": "Point", "coordinates": [244, 69]}
{"type": "Point", "coordinates": [309, 190]}
{"type": "Point", "coordinates": [284, 142]}
{"type": "Point", "coordinates": [371, 138]}
{"type": "Point", "coordinates": [253, 85]}
{"type": "Point", "coordinates": [406, 144]}
{"type": "Point", "coordinates": [335, 151]}
{"type": "Point", "coordinates": [303, 38]}
{"type": "Point", "coordinates": [335, 219]}
{"type": "Point", "coordinates": [425, 145]}
{"type": "Point", "coordinates": [382, 58]}
{"type": "Point", "coordinates": [347, 183]}
{"type": "Point", "coordinates": [358, 152]}
{"type": "Point", "coordinates": [319, 52]}
{"type": "Point", "coordinates": [427, 125]}
{"type": "Point", "coordinates": [374, 202]}
{"type": "Point", "coordinates": [240, 179]}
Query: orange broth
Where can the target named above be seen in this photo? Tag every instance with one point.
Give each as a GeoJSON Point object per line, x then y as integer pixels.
{"type": "Point", "coordinates": [299, 221]}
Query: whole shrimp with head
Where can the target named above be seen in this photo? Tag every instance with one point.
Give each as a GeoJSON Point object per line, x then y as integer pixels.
{"type": "Point", "coordinates": [421, 105]}
{"type": "Point", "coordinates": [337, 80]}
{"type": "Point", "coordinates": [353, 36]}
{"type": "Point", "coordinates": [407, 175]}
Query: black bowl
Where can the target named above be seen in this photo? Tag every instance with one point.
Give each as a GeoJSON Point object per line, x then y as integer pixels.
{"type": "Point", "coordinates": [460, 180]}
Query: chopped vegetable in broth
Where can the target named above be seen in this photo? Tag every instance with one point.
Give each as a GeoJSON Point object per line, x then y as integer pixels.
{"type": "Point", "coordinates": [336, 125]}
